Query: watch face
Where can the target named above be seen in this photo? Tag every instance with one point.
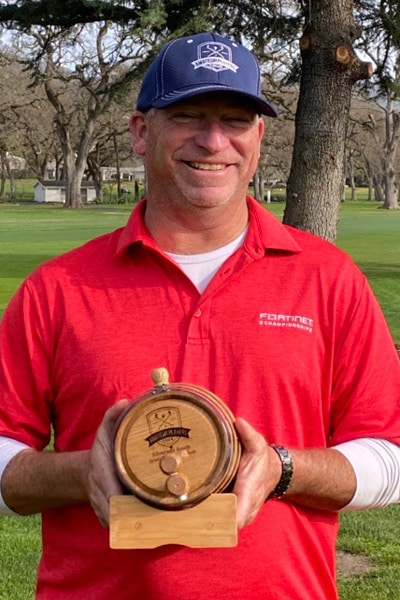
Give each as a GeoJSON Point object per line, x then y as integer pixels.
{"type": "Point", "coordinates": [175, 445]}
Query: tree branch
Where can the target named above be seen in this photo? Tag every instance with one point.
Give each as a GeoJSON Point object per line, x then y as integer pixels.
{"type": "Point", "coordinates": [347, 58]}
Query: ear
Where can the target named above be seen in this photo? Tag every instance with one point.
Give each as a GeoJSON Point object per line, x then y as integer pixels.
{"type": "Point", "coordinates": [261, 128]}
{"type": "Point", "coordinates": [261, 131]}
{"type": "Point", "coordinates": [138, 129]}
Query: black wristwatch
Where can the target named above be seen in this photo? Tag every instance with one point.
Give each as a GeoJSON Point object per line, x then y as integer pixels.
{"type": "Point", "coordinates": [287, 472]}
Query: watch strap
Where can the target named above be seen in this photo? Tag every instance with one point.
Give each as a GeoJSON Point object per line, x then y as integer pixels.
{"type": "Point", "coordinates": [287, 472]}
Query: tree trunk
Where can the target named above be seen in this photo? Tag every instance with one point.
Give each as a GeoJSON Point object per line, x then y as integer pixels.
{"type": "Point", "coordinates": [117, 165]}
{"type": "Point", "coordinates": [392, 127]}
{"type": "Point", "coordinates": [371, 195]}
{"type": "Point", "coordinates": [391, 191]}
{"type": "Point", "coordinates": [350, 175]}
{"type": "Point", "coordinates": [74, 179]}
{"type": "Point", "coordinates": [3, 176]}
{"type": "Point", "coordinates": [13, 191]}
{"type": "Point", "coordinates": [259, 184]}
{"type": "Point", "coordinates": [379, 194]}
{"type": "Point", "coordinates": [74, 166]}
{"type": "Point", "coordinates": [330, 68]}
{"type": "Point", "coordinates": [93, 165]}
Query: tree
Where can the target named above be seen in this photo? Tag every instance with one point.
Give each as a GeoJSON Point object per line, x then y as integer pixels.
{"type": "Point", "coordinates": [82, 72]}
{"type": "Point", "coordinates": [365, 140]}
{"type": "Point", "coordinates": [382, 24]}
{"type": "Point", "coordinates": [33, 137]}
{"type": "Point", "coordinates": [113, 146]}
{"type": "Point", "coordinates": [10, 87]}
{"type": "Point", "coordinates": [330, 68]}
{"type": "Point", "coordinates": [276, 149]}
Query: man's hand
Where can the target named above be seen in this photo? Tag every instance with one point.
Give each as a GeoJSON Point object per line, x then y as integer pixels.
{"type": "Point", "coordinates": [258, 474]}
{"type": "Point", "coordinates": [103, 481]}
{"type": "Point", "coordinates": [323, 478]}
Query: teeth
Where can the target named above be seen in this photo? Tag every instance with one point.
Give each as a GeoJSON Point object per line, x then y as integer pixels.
{"type": "Point", "coordinates": [207, 166]}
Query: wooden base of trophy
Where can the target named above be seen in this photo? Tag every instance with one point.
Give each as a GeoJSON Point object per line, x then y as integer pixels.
{"type": "Point", "coordinates": [209, 524]}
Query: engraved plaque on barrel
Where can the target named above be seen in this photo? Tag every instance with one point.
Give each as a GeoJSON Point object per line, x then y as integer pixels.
{"type": "Point", "coordinates": [176, 444]}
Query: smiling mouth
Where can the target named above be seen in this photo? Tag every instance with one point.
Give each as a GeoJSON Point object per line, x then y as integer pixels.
{"type": "Point", "coordinates": [206, 166]}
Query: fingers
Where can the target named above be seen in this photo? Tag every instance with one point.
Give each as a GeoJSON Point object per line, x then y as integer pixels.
{"type": "Point", "coordinates": [253, 481]}
{"type": "Point", "coordinates": [112, 415]}
{"type": "Point", "coordinates": [103, 481]}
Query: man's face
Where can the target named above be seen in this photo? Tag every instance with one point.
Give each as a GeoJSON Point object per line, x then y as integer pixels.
{"type": "Point", "coordinates": [199, 153]}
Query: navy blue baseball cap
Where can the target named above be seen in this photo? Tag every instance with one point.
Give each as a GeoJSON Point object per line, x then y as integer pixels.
{"type": "Point", "coordinates": [198, 64]}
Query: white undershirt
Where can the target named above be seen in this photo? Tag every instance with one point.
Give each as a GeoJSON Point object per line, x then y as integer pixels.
{"type": "Point", "coordinates": [201, 268]}
{"type": "Point", "coordinates": [376, 462]}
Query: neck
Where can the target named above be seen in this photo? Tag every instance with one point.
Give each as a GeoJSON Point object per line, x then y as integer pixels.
{"type": "Point", "coordinates": [198, 233]}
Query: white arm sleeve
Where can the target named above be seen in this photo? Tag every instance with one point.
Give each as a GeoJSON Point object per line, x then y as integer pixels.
{"type": "Point", "coordinates": [8, 449]}
{"type": "Point", "coordinates": [376, 464]}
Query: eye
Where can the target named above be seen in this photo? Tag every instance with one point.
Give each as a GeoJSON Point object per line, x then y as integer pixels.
{"type": "Point", "coordinates": [240, 121]}
{"type": "Point", "coordinates": [185, 117]}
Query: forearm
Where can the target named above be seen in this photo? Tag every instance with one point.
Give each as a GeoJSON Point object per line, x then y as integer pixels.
{"type": "Point", "coordinates": [322, 478]}
{"type": "Point", "coordinates": [35, 481]}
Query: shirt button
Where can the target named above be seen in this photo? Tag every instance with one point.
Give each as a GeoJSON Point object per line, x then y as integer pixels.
{"type": "Point", "coordinates": [198, 313]}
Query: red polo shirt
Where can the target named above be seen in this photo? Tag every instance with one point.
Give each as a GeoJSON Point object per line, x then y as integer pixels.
{"type": "Point", "coordinates": [288, 333]}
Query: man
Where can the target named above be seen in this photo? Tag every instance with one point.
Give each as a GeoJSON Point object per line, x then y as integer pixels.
{"type": "Point", "coordinates": [202, 280]}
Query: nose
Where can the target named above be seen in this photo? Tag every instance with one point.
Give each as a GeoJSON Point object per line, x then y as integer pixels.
{"type": "Point", "coordinates": [212, 136]}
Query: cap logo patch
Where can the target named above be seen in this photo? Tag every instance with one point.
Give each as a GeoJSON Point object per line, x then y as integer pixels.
{"type": "Point", "coordinates": [214, 56]}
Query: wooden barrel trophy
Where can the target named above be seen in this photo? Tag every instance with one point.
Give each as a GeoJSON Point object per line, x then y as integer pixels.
{"type": "Point", "coordinates": [175, 447]}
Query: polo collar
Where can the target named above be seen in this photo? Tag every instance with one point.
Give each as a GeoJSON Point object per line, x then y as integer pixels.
{"type": "Point", "coordinates": [266, 232]}
{"type": "Point", "coordinates": [135, 231]}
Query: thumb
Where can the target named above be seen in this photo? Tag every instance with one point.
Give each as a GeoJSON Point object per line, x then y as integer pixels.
{"type": "Point", "coordinates": [112, 415]}
{"type": "Point", "coordinates": [252, 441]}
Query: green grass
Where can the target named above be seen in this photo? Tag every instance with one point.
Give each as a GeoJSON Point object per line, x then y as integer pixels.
{"type": "Point", "coordinates": [372, 238]}
{"type": "Point", "coordinates": [19, 551]}
{"type": "Point", "coordinates": [31, 234]}
{"type": "Point", "coordinates": [375, 534]}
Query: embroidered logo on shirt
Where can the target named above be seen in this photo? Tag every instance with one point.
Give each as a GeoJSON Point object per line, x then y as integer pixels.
{"type": "Point", "coordinates": [214, 56]}
{"type": "Point", "coordinates": [287, 321]}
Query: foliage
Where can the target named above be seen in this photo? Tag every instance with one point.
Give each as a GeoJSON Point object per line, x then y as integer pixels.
{"type": "Point", "coordinates": [26, 13]}
{"type": "Point", "coordinates": [256, 22]}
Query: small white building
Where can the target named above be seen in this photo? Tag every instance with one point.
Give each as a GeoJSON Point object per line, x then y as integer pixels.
{"type": "Point", "coordinates": [126, 173]}
{"type": "Point", "coordinates": [53, 192]}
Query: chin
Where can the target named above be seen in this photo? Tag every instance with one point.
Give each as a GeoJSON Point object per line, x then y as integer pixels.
{"type": "Point", "coordinates": [210, 200]}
